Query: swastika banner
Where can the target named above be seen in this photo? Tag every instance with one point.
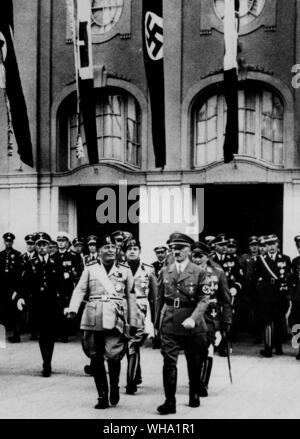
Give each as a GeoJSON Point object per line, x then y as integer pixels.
{"type": "Point", "coordinates": [154, 66]}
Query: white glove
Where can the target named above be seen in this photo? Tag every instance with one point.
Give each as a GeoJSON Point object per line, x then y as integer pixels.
{"type": "Point", "coordinates": [14, 295]}
{"type": "Point", "coordinates": [233, 291]}
{"type": "Point", "coordinates": [189, 323]}
{"type": "Point", "coordinates": [20, 304]}
{"type": "Point", "coordinates": [66, 310]}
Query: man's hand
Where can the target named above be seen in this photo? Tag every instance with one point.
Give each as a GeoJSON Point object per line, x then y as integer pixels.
{"type": "Point", "coordinates": [20, 304]}
{"type": "Point", "coordinates": [233, 291]}
{"type": "Point", "coordinates": [189, 323]}
{"type": "Point", "coordinates": [71, 316]}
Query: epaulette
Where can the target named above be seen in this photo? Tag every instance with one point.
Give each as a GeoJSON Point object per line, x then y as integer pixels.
{"type": "Point", "coordinates": [92, 262]}
{"type": "Point", "coordinates": [147, 265]}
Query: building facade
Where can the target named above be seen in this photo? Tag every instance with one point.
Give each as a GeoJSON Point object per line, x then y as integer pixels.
{"type": "Point", "coordinates": [257, 193]}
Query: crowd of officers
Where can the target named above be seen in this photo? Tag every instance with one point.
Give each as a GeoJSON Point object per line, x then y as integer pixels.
{"type": "Point", "coordinates": [196, 297]}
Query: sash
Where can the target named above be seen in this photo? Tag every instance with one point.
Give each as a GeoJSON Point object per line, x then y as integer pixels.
{"type": "Point", "coordinates": [268, 268]}
{"type": "Point", "coordinates": [104, 280]}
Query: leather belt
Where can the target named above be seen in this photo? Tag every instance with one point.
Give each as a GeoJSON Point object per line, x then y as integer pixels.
{"type": "Point", "coordinates": [104, 298]}
{"type": "Point", "coordinates": [142, 297]}
{"type": "Point", "coordinates": [177, 303]}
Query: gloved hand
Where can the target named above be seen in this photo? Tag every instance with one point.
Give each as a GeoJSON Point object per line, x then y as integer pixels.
{"type": "Point", "coordinates": [14, 295]}
{"type": "Point", "coordinates": [66, 311]}
{"type": "Point", "coordinates": [132, 331]}
{"type": "Point", "coordinates": [189, 323]}
{"type": "Point", "coordinates": [20, 304]}
{"type": "Point", "coordinates": [71, 316]}
{"type": "Point", "coordinates": [233, 291]}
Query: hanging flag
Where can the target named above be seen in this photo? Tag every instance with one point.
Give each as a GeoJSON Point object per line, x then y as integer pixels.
{"type": "Point", "coordinates": [154, 66]}
{"type": "Point", "coordinates": [11, 83]}
{"type": "Point", "coordinates": [84, 64]}
{"type": "Point", "coordinates": [231, 24]}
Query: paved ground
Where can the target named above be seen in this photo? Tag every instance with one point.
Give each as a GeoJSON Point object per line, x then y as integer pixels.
{"type": "Point", "coordinates": [262, 388]}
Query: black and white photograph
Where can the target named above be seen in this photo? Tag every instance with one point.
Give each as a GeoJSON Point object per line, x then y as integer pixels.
{"type": "Point", "coordinates": [149, 212]}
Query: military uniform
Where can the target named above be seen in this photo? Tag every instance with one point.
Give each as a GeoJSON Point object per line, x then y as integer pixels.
{"type": "Point", "coordinates": [30, 322]}
{"type": "Point", "coordinates": [145, 286]}
{"type": "Point", "coordinates": [273, 289]}
{"type": "Point", "coordinates": [109, 311]}
{"type": "Point", "coordinates": [294, 317]}
{"type": "Point", "coordinates": [181, 296]}
{"type": "Point", "coordinates": [10, 272]}
{"type": "Point", "coordinates": [40, 282]}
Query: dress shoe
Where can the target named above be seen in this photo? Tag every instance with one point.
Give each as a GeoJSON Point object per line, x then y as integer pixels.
{"type": "Point", "coordinates": [131, 389]}
{"type": "Point", "coordinates": [167, 407]}
{"type": "Point", "coordinates": [279, 351]}
{"type": "Point", "coordinates": [194, 400]}
{"type": "Point", "coordinates": [88, 369]}
{"type": "Point", "coordinates": [14, 339]}
{"type": "Point", "coordinates": [102, 403]}
{"type": "Point", "coordinates": [46, 372]}
{"type": "Point", "coordinates": [265, 353]}
{"type": "Point", "coordinates": [114, 396]}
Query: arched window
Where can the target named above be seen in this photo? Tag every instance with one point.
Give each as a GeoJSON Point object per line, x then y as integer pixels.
{"type": "Point", "coordinates": [260, 126]}
{"type": "Point", "coordinates": [118, 130]}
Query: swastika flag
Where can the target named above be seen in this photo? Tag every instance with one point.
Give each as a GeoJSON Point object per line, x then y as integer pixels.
{"type": "Point", "coordinates": [10, 81]}
{"type": "Point", "coordinates": [231, 25]}
{"type": "Point", "coordinates": [154, 67]}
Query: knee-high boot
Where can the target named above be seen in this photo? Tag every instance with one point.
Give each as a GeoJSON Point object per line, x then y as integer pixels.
{"type": "Point", "coordinates": [100, 377]}
{"type": "Point", "coordinates": [170, 383]}
{"type": "Point", "coordinates": [131, 374]}
{"type": "Point", "coordinates": [114, 368]}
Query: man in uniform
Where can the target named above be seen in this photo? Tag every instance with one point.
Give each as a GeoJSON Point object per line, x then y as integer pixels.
{"type": "Point", "coordinates": [77, 251]}
{"type": "Point", "coordinates": [294, 317]}
{"type": "Point", "coordinates": [183, 297]}
{"type": "Point", "coordinates": [161, 254]}
{"type": "Point", "coordinates": [69, 273]}
{"type": "Point", "coordinates": [27, 256]}
{"type": "Point", "coordinates": [273, 280]}
{"type": "Point", "coordinates": [110, 310]}
{"type": "Point", "coordinates": [145, 287]}
{"type": "Point", "coordinates": [234, 275]}
{"type": "Point", "coordinates": [121, 237]}
{"type": "Point", "coordinates": [218, 316]}
{"type": "Point", "coordinates": [248, 262]}
{"type": "Point", "coordinates": [92, 249]}
{"type": "Point", "coordinates": [10, 272]}
{"type": "Point", "coordinates": [40, 282]}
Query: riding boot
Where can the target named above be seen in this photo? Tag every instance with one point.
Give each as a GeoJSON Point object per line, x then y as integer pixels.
{"type": "Point", "coordinates": [131, 374]}
{"type": "Point", "coordinates": [138, 375]}
{"type": "Point", "coordinates": [99, 374]}
{"type": "Point", "coordinates": [267, 351]}
{"type": "Point", "coordinates": [170, 383]}
{"type": "Point", "coordinates": [114, 368]}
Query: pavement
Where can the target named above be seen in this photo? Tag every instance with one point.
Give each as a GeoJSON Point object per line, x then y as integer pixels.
{"type": "Point", "coordinates": [262, 387]}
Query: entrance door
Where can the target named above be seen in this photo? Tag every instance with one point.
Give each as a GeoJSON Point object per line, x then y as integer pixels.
{"type": "Point", "coordinates": [87, 219]}
{"type": "Point", "coordinates": [243, 210]}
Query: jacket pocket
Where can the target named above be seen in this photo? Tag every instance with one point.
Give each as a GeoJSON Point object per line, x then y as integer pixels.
{"type": "Point", "coordinates": [89, 315]}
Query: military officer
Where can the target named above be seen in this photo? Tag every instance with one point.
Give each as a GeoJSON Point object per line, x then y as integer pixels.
{"type": "Point", "coordinates": [161, 254]}
{"type": "Point", "coordinates": [120, 238]}
{"type": "Point", "coordinates": [294, 317]}
{"type": "Point", "coordinates": [69, 273]}
{"type": "Point", "coordinates": [110, 310]}
{"type": "Point", "coordinates": [218, 316]}
{"type": "Point", "coordinates": [234, 275]}
{"type": "Point", "coordinates": [77, 251]}
{"type": "Point", "coordinates": [183, 297]}
{"type": "Point", "coordinates": [273, 280]}
{"type": "Point", "coordinates": [145, 287]}
{"type": "Point", "coordinates": [27, 256]}
{"type": "Point", "coordinates": [92, 249]}
{"type": "Point", "coordinates": [248, 261]}
{"type": "Point", "coordinates": [40, 281]}
{"type": "Point", "coordinates": [10, 272]}
{"type": "Point", "coordinates": [262, 247]}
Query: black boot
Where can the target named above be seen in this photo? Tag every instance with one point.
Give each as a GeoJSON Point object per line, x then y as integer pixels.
{"type": "Point", "coordinates": [298, 355]}
{"type": "Point", "coordinates": [267, 351]}
{"type": "Point", "coordinates": [170, 382]}
{"type": "Point", "coordinates": [100, 378]}
{"type": "Point", "coordinates": [205, 376]}
{"type": "Point", "coordinates": [131, 374]}
{"type": "Point", "coordinates": [114, 368]}
{"type": "Point", "coordinates": [138, 374]}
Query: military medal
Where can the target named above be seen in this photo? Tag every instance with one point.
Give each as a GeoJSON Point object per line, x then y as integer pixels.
{"type": "Point", "coordinates": [118, 288]}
